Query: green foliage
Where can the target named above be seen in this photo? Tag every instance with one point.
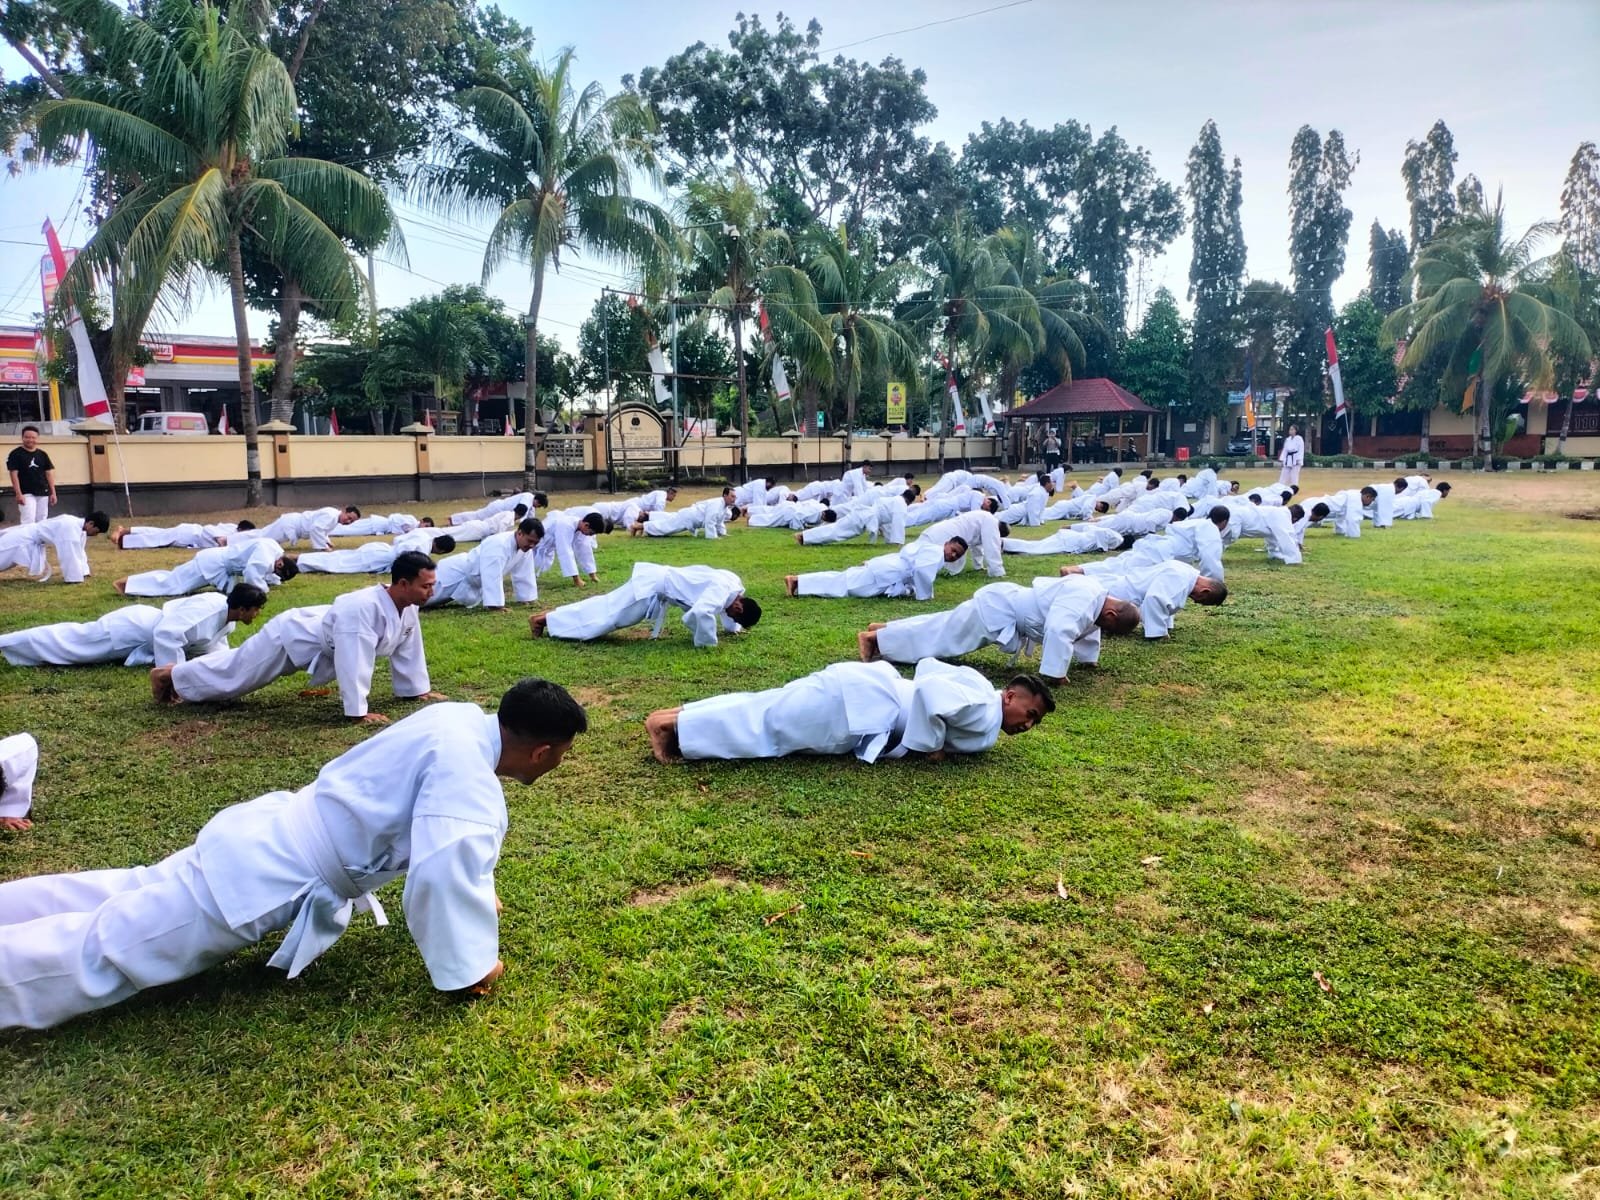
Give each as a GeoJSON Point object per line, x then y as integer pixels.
{"type": "Point", "coordinates": [1216, 271]}
{"type": "Point", "coordinates": [612, 344]}
{"type": "Point", "coordinates": [1579, 225]}
{"type": "Point", "coordinates": [1387, 265]}
{"type": "Point", "coordinates": [1156, 360]}
{"type": "Point", "coordinates": [1366, 357]}
{"type": "Point", "coordinates": [1429, 171]}
{"type": "Point", "coordinates": [1319, 230]}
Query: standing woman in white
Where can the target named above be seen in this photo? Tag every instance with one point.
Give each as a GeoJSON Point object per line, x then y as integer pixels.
{"type": "Point", "coordinates": [1292, 457]}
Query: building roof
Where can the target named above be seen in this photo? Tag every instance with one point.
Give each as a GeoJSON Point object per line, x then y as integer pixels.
{"type": "Point", "coordinates": [1081, 397]}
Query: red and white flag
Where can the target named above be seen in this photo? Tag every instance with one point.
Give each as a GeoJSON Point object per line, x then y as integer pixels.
{"type": "Point", "coordinates": [333, 423]}
{"type": "Point", "coordinates": [780, 377]}
{"type": "Point", "coordinates": [91, 388]}
{"type": "Point", "coordinates": [510, 431]}
{"type": "Point", "coordinates": [1333, 374]}
{"type": "Point", "coordinates": [960, 425]}
{"type": "Point", "coordinates": [222, 422]}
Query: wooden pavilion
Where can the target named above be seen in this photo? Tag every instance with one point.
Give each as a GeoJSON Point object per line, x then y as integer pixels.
{"type": "Point", "coordinates": [1096, 420]}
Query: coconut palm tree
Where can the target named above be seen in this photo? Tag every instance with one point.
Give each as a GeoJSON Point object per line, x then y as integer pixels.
{"type": "Point", "coordinates": [553, 166]}
{"type": "Point", "coordinates": [855, 295]}
{"type": "Point", "coordinates": [203, 133]}
{"type": "Point", "coordinates": [1484, 298]}
{"type": "Point", "coordinates": [1068, 312]}
{"type": "Point", "coordinates": [969, 302]}
{"type": "Point", "coordinates": [737, 259]}
{"type": "Point", "coordinates": [436, 337]}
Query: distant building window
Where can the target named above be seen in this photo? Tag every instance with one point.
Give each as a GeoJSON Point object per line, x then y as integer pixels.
{"type": "Point", "coordinates": [1400, 424]}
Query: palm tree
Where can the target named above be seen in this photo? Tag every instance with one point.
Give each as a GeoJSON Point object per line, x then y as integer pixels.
{"type": "Point", "coordinates": [553, 166]}
{"type": "Point", "coordinates": [436, 337]}
{"type": "Point", "coordinates": [737, 259]}
{"type": "Point", "coordinates": [1579, 292]}
{"type": "Point", "coordinates": [1067, 311]}
{"type": "Point", "coordinates": [203, 133]}
{"type": "Point", "coordinates": [969, 302]}
{"type": "Point", "coordinates": [854, 294]}
{"type": "Point", "coordinates": [1483, 298]}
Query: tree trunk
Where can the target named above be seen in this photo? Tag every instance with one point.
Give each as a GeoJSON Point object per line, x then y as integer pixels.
{"type": "Point", "coordinates": [530, 404]}
{"type": "Point", "coordinates": [247, 394]}
{"type": "Point", "coordinates": [1566, 425]}
{"type": "Point", "coordinates": [1427, 425]}
{"type": "Point", "coordinates": [1485, 427]}
{"type": "Point", "coordinates": [301, 43]}
{"type": "Point", "coordinates": [737, 321]}
{"type": "Point", "coordinates": [283, 358]}
{"type": "Point", "coordinates": [849, 424]}
{"type": "Point", "coordinates": [944, 396]}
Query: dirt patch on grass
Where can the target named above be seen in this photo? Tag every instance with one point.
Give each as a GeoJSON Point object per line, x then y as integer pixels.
{"type": "Point", "coordinates": [591, 696]}
{"type": "Point", "coordinates": [669, 893]}
{"type": "Point", "coordinates": [672, 1024]}
{"type": "Point", "coordinates": [1592, 514]}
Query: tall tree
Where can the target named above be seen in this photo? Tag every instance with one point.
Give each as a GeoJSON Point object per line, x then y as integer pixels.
{"type": "Point", "coordinates": [1216, 271]}
{"type": "Point", "coordinates": [1155, 362]}
{"type": "Point", "coordinates": [1387, 263]}
{"type": "Point", "coordinates": [1123, 210]}
{"type": "Point", "coordinates": [1482, 298]}
{"type": "Point", "coordinates": [204, 131]}
{"type": "Point", "coordinates": [438, 339]}
{"type": "Point", "coordinates": [553, 166]}
{"type": "Point", "coordinates": [1319, 228]}
{"type": "Point", "coordinates": [1429, 171]}
{"type": "Point", "coordinates": [855, 296]}
{"type": "Point", "coordinates": [1016, 175]}
{"type": "Point", "coordinates": [1069, 316]}
{"type": "Point", "coordinates": [1469, 196]}
{"type": "Point", "coordinates": [1579, 225]}
{"type": "Point", "coordinates": [821, 139]}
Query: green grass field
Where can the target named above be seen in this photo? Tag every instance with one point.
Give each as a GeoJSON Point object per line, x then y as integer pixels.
{"type": "Point", "coordinates": [1085, 964]}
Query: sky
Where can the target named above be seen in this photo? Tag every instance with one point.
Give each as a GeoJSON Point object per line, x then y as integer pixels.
{"type": "Point", "coordinates": [1512, 79]}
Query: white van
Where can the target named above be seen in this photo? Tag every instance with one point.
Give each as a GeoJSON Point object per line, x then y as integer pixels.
{"type": "Point", "coordinates": [177, 423]}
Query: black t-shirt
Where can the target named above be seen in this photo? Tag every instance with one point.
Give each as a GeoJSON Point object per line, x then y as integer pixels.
{"type": "Point", "coordinates": [30, 466]}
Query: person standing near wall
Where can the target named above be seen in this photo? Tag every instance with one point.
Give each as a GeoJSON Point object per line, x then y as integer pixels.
{"type": "Point", "coordinates": [33, 478]}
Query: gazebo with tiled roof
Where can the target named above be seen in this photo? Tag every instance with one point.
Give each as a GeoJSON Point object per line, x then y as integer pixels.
{"type": "Point", "coordinates": [1090, 411]}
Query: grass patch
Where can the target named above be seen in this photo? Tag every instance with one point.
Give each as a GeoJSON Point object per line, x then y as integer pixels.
{"type": "Point", "coordinates": [1091, 962]}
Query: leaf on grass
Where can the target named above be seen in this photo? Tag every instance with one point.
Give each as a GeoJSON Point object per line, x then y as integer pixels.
{"type": "Point", "coordinates": [859, 853]}
{"type": "Point", "coordinates": [1207, 1007]}
{"type": "Point", "coordinates": [1153, 860]}
{"type": "Point", "coordinates": [1322, 981]}
{"type": "Point", "coordinates": [1061, 887]}
{"type": "Point", "coordinates": [774, 918]}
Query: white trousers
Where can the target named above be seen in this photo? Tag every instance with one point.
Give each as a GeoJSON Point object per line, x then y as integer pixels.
{"type": "Point", "coordinates": [857, 582]}
{"type": "Point", "coordinates": [949, 634]}
{"type": "Point", "coordinates": [1289, 476]}
{"type": "Point", "coordinates": [597, 616]}
{"type": "Point", "coordinates": [32, 508]}
{"type": "Point", "coordinates": [180, 581]}
{"type": "Point", "coordinates": [70, 944]}
{"type": "Point", "coordinates": [229, 674]}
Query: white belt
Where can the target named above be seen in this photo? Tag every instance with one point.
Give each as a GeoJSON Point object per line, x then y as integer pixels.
{"type": "Point", "coordinates": [322, 917]}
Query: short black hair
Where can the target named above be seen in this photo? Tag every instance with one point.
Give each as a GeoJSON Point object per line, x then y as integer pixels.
{"type": "Point", "coordinates": [351, 508]}
{"type": "Point", "coordinates": [1443, 489]}
{"type": "Point", "coordinates": [425, 522]}
{"type": "Point", "coordinates": [536, 710]}
{"type": "Point", "coordinates": [1297, 512]}
{"type": "Point", "coordinates": [595, 521]}
{"type": "Point", "coordinates": [443, 544]}
{"type": "Point", "coordinates": [1319, 511]}
{"type": "Point", "coordinates": [30, 429]}
{"type": "Point", "coordinates": [243, 525]}
{"type": "Point", "coordinates": [1369, 490]}
{"type": "Point", "coordinates": [1031, 682]}
{"type": "Point", "coordinates": [909, 476]}
{"type": "Point", "coordinates": [1400, 483]}
{"type": "Point", "coordinates": [531, 525]}
{"type": "Point", "coordinates": [727, 489]}
{"type": "Point", "coordinates": [1043, 476]}
{"type": "Point", "coordinates": [1117, 471]}
{"type": "Point", "coordinates": [101, 521]}
{"type": "Point", "coordinates": [1253, 497]}
{"type": "Point", "coordinates": [734, 512]}
{"type": "Point", "coordinates": [1147, 472]}
{"type": "Point", "coordinates": [1182, 514]}
{"type": "Point", "coordinates": [990, 504]}
{"type": "Point", "coordinates": [909, 495]}
{"type": "Point", "coordinates": [409, 565]}
{"type": "Point", "coordinates": [1151, 482]}
{"type": "Point", "coordinates": [749, 612]}
{"type": "Point", "coordinates": [1220, 514]}
{"type": "Point", "coordinates": [960, 541]}
{"type": "Point", "coordinates": [1182, 478]}
{"type": "Point", "coordinates": [828, 516]}
{"type": "Point", "coordinates": [1005, 529]}
{"type": "Point", "coordinates": [671, 487]}
{"type": "Point", "coordinates": [288, 568]}
{"type": "Point", "coordinates": [246, 595]}
{"type": "Point", "coordinates": [540, 500]}
{"type": "Point", "coordinates": [1286, 495]}
{"type": "Point", "coordinates": [520, 511]}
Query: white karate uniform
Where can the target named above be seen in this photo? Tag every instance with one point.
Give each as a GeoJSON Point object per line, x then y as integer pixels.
{"type": "Point", "coordinates": [1072, 508]}
{"type": "Point", "coordinates": [941, 508]}
{"type": "Point", "coordinates": [865, 709]}
{"type": "Point", "coordinates": [503, 504]}
{"type": "Point", "coordinates": [795, 514]}
{"type": "Point", "coordinates": [1417, 483]}
{"type": "Point", "coordinates": [563, 542]}
{"type": "Point", "coordinates": [890, 520]}
{"type": "Point", "coordinates": [1196, 541]}
{"type": "Point", "coordinates": [704, 594]}
{"type": "Point", "coordinates": [1026, 508]}
{"type": "Point", "coordinates": [136, 635]}
{"type": "Point", "coordinates": [19, 763]}
{"type": "Point", "coordinates": [366, 559]}
{"type": "Point", "coordinates": [981, 531]}
{"type": "Point", "coordinates": [1132, 524]}
{"type": "Point", "coordinates": [379, 526]}
{"type": "Point", "coordinates": [1292, 456]}
{"type": "Point", "coordinates": [655, 501]}
{"type": "Point", "coordinates": [476, 531]}
{"type": "Point", "coordinates": [251, 561]}
{"type": "Point", "coordinates": [419, 799]}
{"type": "Point", "coordinates": [1383, 506]}
{"type": "Point", "coordinates": [1092, 538]}
{"type": "Point", "coordinates": [342, 641]}
{"type": "Point", "coordinates": [853, 485]}
{"type": "Point", "coordinates": [479, 576]}
{"type": "Point", "coordinates": [1202, 485]}
{"type": "Point", "coordinates": [1270, 497]}
{"type": "Point", "coordinates": [25, 546]}
{"type": "Point", "coordinates": [1273, 524]}
{"type": "Point", "coordinates": [1416, 504]}
{"type": "Point", "coordinates": [1159, 590]}
{"type": "Point", "coordinates": [818, 489]}
{"type": "Point", "coordinates": [187, 536]}
{"type": "Point", "coordinates": [910, 571]}
{"type": "Point", "coordinates": [752, 493]}
{"type": "Point", "coordinates": [316, 526]}
{"type": "Point", "coordinates": [852, 522]}
{"type": "Point", "coordinates": [1057, 612]}
{"type": "Point", "coordinates": [708, 518]}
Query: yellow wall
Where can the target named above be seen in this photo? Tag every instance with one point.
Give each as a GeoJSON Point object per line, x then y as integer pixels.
{"type": "Point", "coordinates": [1445, 423]}
{"type": "Point", "coordinates": [69, 454]}
{"type": "Point", "coordinates": [1577, 447]}
{"type": "Point", "coordinates": [475, 455]}
{"type": "Point", "coordinates": [337, 457]}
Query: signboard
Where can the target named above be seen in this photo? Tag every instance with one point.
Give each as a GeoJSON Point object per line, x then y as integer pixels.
{"type": "Point", "coordinates": [18, 372]}
{"type": "Point", "coordinates": [135, 377]}
{"type": "Point", "coordinates": [822, 420]}
{"type": "Point", "coordinates": [159, 351]}
{"type": "Point", "coordinates": [896, 411]}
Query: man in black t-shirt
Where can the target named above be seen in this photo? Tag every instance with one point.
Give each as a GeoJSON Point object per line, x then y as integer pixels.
{"type": "Point", "coordinates": [33, 478]}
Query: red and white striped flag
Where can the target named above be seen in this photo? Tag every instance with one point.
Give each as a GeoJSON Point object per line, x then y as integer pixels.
{"type": "Point", "coordinates": [1333, 374]}
{"type": "Point", "coordinates": [955, 400]}
{"type": "Point", "coordinates": [333, 423]}
{"type": "Point", "coordinates": [91, 388]}
{"type": "Point", "coordinates": [510, 432]}
{"type": "Point", "coordinates": [780, 377]}
{"type": "Point", "coordinates": [222, 422]}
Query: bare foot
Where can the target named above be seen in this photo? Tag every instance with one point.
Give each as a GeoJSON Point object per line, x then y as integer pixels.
{"type": "Point", "coordinates": [537, 623]}
{"type": "Point", "coordinates": [662, 726]}
{"type": "Point", "coordinates": [875, 626]}
{"type": "Point", "coordinates": [161, 685]}
{"type": "Point", "coordinates": [799, 539]}
{"type": "Point", "coordinates": [121, 585]}
{"type": "Point", "coordinates": [116, 535]}
{"type": "Point", "coordinates": [867, 645]}
{"type": "Point", "coordinates": [791, 585]}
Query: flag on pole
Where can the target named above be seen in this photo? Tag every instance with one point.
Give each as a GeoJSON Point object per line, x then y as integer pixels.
{"type": "Point", "coordinates": [1249, 393]}
{"type": "Point", "coordinates": [510, 431]}
{"type": "Point", "coordinates": [960, 422]}
{"type": "Point", "coordinates": [658, 371]}
{"type": "Point", "coordinates": [1474, 377]}
{"type": "Point", "coordinates": [222, 422]}
{"type": "Point", "coordinates": [333, 423]}
{"type": "Point", "coordinates": [91, 388]}
{"type": "Point", "coordinates": [1339, 409]}
{"type": "Point", "coordinates": [780, 377]}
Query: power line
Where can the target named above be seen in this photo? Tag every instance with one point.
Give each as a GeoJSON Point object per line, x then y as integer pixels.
{"type": "Point", "coordinates": [878, 37]}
